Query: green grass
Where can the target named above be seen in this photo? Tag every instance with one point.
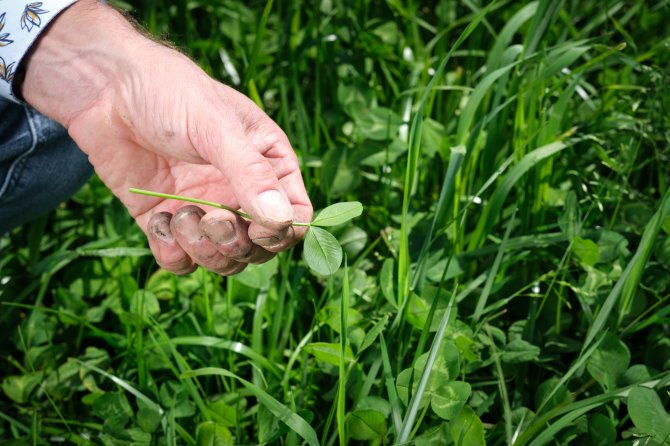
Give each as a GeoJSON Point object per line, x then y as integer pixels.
{"type": "Point", "coordinates": [507, 283]}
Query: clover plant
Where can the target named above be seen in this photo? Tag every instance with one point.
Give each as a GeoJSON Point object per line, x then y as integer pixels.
{"type": "Point", "coordinates": [322, 251]}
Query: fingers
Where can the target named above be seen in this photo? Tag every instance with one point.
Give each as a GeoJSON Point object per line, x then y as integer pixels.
{"type": "Point", "coordinates": [164, 246]}
{"type": "Point", "coordinates": [217, 241]}
{"type": "Point", "coordinates": [260, 166]}
{"type": "Point", "coordinates": [185, 226]}
{"type": "Point", "coordinates": [229, 234]}
{"type": "Point", "coordinates": [258, 191]}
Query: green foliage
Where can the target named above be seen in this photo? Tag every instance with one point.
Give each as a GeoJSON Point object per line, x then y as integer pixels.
{"type": "Point", "coordinates": [650, 418]}
{"type": "Point", "coordinates": [322, 251]}
{"type": "Point", "coordinates": [509, 283]}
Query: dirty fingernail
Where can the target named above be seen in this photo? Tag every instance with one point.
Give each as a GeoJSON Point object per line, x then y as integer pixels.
{"type": "Point", "coordinates": [275, 206]}
{"type": "Point", "coordinates": [159, 227]}
{"type": "Point", "coordinates": [219, 232]}
{"type": "Point", "coordinates": [267, 242]}
{"type": "Point", "coordinates": [187, 223]}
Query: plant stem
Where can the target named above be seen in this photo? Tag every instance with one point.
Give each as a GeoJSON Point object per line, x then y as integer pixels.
{"type": "Point", "coordinates": [198, 201]}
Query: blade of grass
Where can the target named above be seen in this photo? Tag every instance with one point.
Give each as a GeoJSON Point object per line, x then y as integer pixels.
{"type": "Point", "coordinates": [493, 272]}
{"type": "Point", "coordinates": [492, 211]}
{"type": "Point", "coordinates": [414, 403]}
{"type": "Point", "coordinates": [443, 203]}
{"type": "Point", "coordinates": [125, 385]}
{"type": "Point", "coordinates": [502, 386]}
{"type": "Point", "coordinates": [413, 157]}
{"type": "Point", "coordinates": [283, 413]}
{"type": "Point", "coordinates": [549, 433]}
{"type": "Point", "coordinates": [630, 278]}
{"type": "Point", "coordinates": [342, 382]}
{"type": "Point", "coordinates": [258, 42]}
{"type": "Point", "coordinates": [257, 334]}
{"type": "Point", "coordinates": [660, 381]}
{"type": "Point", "coordinates": [233, 346]}
{"type": "Point", "coordinates": [507, 33]}
{"type": "Point", "coordinates": [574, 368]}
{"type": "Point", "coordinates": [394, 399]}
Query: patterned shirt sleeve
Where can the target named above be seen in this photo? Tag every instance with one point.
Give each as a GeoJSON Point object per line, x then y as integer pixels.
{"type": "Point", "coordinates": [20, 24]}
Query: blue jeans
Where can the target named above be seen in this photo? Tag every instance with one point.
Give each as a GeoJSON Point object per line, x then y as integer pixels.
{"type": "Point", "coordinates": [40, 166]}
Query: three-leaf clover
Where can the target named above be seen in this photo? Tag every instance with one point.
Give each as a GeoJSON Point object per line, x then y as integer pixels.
{"type": "Point", "coordinates": [322, 251]}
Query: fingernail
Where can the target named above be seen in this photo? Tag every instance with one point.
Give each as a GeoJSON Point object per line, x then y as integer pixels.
{"type": "Point", "coordinates": [160, 227]}
{"type": "Point", "coordinates": [275, 207]}
{"type": "Point", "coordinates": [187, 223]}
{"type": "Point", "coordinates": [220, 232]}
{"type": "Point", "coordinates": [267, 242]}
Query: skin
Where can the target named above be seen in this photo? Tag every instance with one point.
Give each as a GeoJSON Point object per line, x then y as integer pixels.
{"type": "Point", "coordinates": [148, 117]}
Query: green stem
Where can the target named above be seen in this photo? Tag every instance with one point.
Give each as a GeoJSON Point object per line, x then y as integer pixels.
{"type": "Point", "coordinates": [198, 201]}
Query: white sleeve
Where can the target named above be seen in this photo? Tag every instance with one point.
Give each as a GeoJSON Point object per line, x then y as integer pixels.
{"type": "Point", "coordinates": [20, 24]}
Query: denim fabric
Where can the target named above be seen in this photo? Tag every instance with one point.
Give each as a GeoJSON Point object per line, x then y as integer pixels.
{"type": "Point", "coordinates": [40, 166]}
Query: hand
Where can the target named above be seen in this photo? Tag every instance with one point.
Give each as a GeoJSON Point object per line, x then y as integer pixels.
{"type": "Point", "coordinates": [148, 117]}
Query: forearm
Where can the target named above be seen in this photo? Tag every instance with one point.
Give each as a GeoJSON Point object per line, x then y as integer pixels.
{"type": "Point", "coordinates": [87, 51]}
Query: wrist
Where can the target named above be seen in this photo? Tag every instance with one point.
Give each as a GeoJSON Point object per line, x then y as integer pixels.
{"type": "Point", "coordinates": [84, 54]}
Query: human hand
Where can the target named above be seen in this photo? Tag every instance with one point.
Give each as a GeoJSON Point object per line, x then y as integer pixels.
{"type": "Point", "coordinates": [149, 117]}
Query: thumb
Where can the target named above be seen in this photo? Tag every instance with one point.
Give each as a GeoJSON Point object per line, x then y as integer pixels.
{"type": "Point", "coordinates": [257, 187]}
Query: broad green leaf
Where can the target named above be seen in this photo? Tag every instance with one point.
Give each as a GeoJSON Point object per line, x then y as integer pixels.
{"type": "Point", "coordinates": [419, 308]}
{"type": "Point", "coordinates": [375, 403]}
{"type": "Point", "coordinates": [210, 433]}
{"type": "Point", "coordinates": [586, 250]}
{"type": "Point", "coordinates": [609, 361]}
{"type": "Point", "coordinates": [445, 369]}
{"type": "Point", "coordinates": [519, 351]}
{"type": "Point", "coordinates": [435, 271]}
{"type": "Point", "coordinates": [548, 395]}
{"type": "Point", "coordinates": [19, 388]}
{"type": "Point", "coordinates": [406, 385]}
{"type": "Point", "coordinates": [366, 424]}
{"type": "Point", "coordinates": [635, 374]}
{"type": "Point", "coordinates": [449, 398]}
{"type": "Point", "coordinates": [322, 251]}
{"type": "Point", "coordinates": [467, 429]}
{"type": "Point", "coordinates": [148, 418]}
{"type": "Point", "coordinates": [340, 172]}
{"type": "Point", "coordinates": [144, 305]}
{"type": "Point", "coordinates": [353, 240]}
{"type": "Point", "coordinates": [377, 123]}
{"type": "Point", "coordinates": [371, 335]}
{"type": "Point", "coordinates": [114, 409]}
{"type": "Point", "coordinates": [259, 276]}
{"type": "Point", "coordinates": [386, 281]}
{"type": "Point", "coordinates": [611, 246]}
{"type": "Point", "coordinates": [648, 414]}
{"type": "Point", "coordinates": [332, 315]}
{"type": "Point", "coordinates": [226, 317]}
{"type": "Point", "coordinates": [226, 413]}
{"type": "Point", "coordinates": [601, 430]}
{"type": "Point", "coordinates": [662, 251]}
{"type": "Point", "coordinates": [329, 352]}
{"type": "Point", "coordinates": [338, 213]}
{"type": "Point", "coordinates": [126, 437]}
{"type": "Point", "coordinates": [437, 436]}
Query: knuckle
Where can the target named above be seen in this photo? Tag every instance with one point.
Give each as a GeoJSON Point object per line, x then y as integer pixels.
{"type": "Point", "coordinates": [256, 166]}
